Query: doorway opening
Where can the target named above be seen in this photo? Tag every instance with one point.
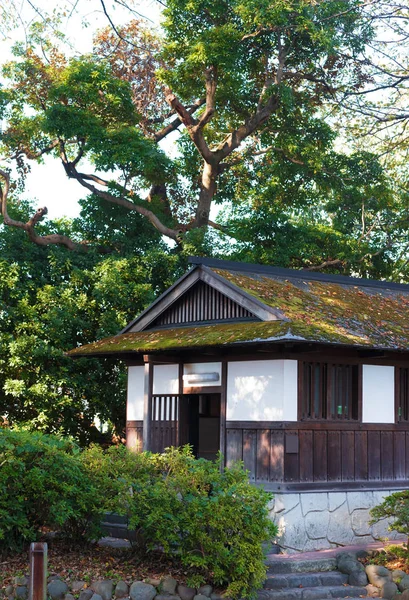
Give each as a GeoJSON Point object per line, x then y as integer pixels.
{"type": "Point", "coordinates": [200, 424]}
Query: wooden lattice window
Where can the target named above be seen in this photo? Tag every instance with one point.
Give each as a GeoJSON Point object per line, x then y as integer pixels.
{"type": "Point", "coordinates": [402, 392]}
{"type": "Point", "coordinates": [329, 391]}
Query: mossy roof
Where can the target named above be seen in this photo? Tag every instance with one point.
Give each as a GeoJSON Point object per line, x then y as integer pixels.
{"type": "Point", "coordinates": [313, 311]}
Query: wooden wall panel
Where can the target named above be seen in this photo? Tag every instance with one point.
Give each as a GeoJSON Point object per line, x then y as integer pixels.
{"type": "Point", "coordinates": [348, 455]}
{"type": "Point", "coordinates": [320, 456]}
{"type": "Point", "coordinates": [250, 452]}
{"type": "Point", "coordinates": [277, 456]}
{"type": "Point", "coordinates": [134, 435]}
{"type": "Point", "coordinates": [361, 455]}
{"type": "Point", "coordinates": [334, 456]}
{"type": "Point", "coordinates": [234, 446]}
{"type": "Point", "coordinates": [306, 456]}
{"type": "Point", "coordinates": [374, 455]}
{"type": "Point", "coordinates": [291, 457]}
{"type": "Point", "coordinates": [263, 455]}
{"type": "Point", "coordinates": [387, 455]}
{"type": "Point", "coordinates": [399, 458]}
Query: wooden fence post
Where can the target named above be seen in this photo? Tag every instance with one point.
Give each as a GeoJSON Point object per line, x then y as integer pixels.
{"type": "Point", "coordinates": [38, 571]}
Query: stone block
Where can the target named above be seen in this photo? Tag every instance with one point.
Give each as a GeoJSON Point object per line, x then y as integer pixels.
{"type": "Point", "coordinates": [205, 590]}
{"type": "Point", "coordinates": [335, 500]}
{"type": "Point", "coordinates": [314, 502]}
{"type": "Point", "coordinates": [389, 590]}
{"type": "Point", "coordinates": [86, 594]}
{"type": "Point", "coordinates": [121, 589]}
{"type": "Point", "coordinates": [168, 585]}
{"type": "Point", "coordinates": [339, 527]}
{"type": "Point", "coordinates": [186, 593]}
{"type": "Point", "coordinates": [397, 575]}
{"type": "Point", "coordinates": [360, 500]}
{"type": "Point", "coordinates": [359, 520]}
{"type": "Point", "coordinates": [57, 589]}
{"type": "Point", "coordinates": [378, 575]}
{"type": "Point", "coordinates": [142, 591]}
{"type": "Point", "coordinates": [380, 530]}
{"type": "Point", "coordinates": [403, 584]}
{"type": "Point", "coordinates": [103, 588]}
{"type": "Point", "coordinates": [290, 501]}
{"type": "Point", "coordinates": [292, 529]}
{"type": "Point", "coordinates": [316, 524]}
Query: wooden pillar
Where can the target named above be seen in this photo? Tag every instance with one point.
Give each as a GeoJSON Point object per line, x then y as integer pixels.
{"type": "Point", "coordinates": [223, 404]}
{"type": "Point", "coordinates": [38, 571]}
{"type": "Point", "coordinates": [147, 408]}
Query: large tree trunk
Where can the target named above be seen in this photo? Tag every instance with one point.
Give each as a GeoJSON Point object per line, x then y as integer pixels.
{"type": "Point", "coordinates": [207, 192]}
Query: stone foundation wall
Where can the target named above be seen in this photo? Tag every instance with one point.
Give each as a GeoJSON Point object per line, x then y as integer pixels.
{"type": "Point", "coordinates": [319, 520]}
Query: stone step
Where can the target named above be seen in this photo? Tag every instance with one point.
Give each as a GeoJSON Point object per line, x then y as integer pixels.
{"type": "Point", "coordinates": [296, 580]}
{"type": "Point", "coordinates": [277, 564]}
{"type": "Point", "coordinates": [313, 593]}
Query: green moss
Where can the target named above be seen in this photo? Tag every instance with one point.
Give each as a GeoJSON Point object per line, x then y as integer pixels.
{"type": "Point", "coordinates": [211, 335]}
{"type": "Point", "coordinates": [369, 316]}
{"type": "Point", "coordinates": [316, 312]}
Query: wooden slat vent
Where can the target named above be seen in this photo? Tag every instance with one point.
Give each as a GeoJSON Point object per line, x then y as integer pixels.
{"type": "Point", "coordinates": [202, 303]}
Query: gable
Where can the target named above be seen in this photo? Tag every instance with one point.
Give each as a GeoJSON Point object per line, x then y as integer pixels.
{"type": "Point", "coordinates": [202, 303]}
{"type": "Point", "coordinates": [201, 297]}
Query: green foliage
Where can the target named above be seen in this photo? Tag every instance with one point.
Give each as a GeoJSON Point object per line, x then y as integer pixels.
{"type": "Point", "coordinates": [395, 508]}
{"type": "Point", "coordinates": [51, 301]}
{"type": "Point", "coordinates": [214, 521]}
{"type": "Point", "coordinates": [43, 484]}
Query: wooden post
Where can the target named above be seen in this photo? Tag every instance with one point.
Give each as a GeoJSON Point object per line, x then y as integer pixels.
{"type": "Point", "coordinates": [147, 410]}
{"type": "Point", "coordinates": [223, 403]}
{"type": "Point", "coordinates": [38, 571]}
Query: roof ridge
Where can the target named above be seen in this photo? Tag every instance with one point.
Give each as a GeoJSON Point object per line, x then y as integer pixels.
{"type": "Point", "coordinates": [296, 274]}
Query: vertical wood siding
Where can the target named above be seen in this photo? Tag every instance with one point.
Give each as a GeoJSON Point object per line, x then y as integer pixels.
{"type": "Point", "coordinates": [202, 303]}
{"type": "Point", "coordinates": [292, 453]}
{"type": "Point", "coordinates": [165, 422]}
{"type": "Point", "coordinates": [134, 435]}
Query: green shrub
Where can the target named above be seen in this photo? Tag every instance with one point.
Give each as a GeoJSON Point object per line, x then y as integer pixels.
{"type": "Point", "coordinates": [43, 484]}
{"type": "Point", "coordinates": [395, 508]}
{"type": "Point", "coordinates": [214, 521]}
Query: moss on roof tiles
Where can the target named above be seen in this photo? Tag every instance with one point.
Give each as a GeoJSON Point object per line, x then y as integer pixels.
{"type": "Point", "coordinates": [212, 335]}
{"type": "Point", "coordinates": [329, 313]}
{"type": "Point", "coordinates": [370, 316]}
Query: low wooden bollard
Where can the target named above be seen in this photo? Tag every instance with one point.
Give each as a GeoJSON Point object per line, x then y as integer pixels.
{"type": "Point", "coordinates": [37, 589]}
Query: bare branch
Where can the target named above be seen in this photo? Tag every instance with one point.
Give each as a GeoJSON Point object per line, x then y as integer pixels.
{"type": "Point", "coordinates": [29, 227]}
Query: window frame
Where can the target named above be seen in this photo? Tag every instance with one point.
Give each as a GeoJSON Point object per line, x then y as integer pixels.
{"type": "Point", "coordinates": [329, 366]}
{"type": "Point", "coordinates": [398, 389]}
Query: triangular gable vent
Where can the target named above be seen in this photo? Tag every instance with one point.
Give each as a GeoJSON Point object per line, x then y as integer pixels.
{"type": "Point", "coordinates": [202, 304]}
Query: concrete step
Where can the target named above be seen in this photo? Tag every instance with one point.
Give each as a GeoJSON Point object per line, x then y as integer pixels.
{"type": "Point", "coordinates": [313, 593]}
{"type": "Point", "coordinates": [297, 580]}
{"type": "Point", "coordinates": [279, 564]}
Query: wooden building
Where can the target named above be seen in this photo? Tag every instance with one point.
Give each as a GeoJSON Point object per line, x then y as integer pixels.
{"type": "Point", "coordinates": [303, 376]}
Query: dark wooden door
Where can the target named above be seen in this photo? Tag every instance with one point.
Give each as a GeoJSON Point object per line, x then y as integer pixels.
{"type": "Point", "coordinates": [165, 422]}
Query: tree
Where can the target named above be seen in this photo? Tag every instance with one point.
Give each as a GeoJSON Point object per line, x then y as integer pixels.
{"type": "Point", "coordinates": [52, 300]}
{"type": "Point", "coordinates": [234, 73]}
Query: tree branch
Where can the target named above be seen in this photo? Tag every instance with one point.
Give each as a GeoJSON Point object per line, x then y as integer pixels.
{"type": "Point", "coordinates": [40, 240]}
{"type": "Point", "coordinates": [176, 123]}
{"type": "Point", "coordinates": [84, 179]}
{"type": "Point", "coordinates": [195, 132]}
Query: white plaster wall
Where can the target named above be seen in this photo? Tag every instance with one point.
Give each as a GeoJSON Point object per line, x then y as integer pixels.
{"type": "Point", "coordinates": [378, 394]}
{"type": "Point", "coordinates": [262, 390]}
{"type": "Point", "coordinates": [135, 393]}
{"type": "Point", "coordinates": [320, 520]}
{"type": "Point", "coordinates": [166, 379]}
{"type": "Point", "coordinates": [211, 367]}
